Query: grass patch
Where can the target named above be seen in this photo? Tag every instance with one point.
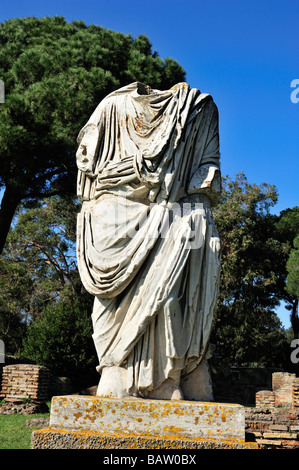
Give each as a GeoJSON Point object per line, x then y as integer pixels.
{"type": "Point", "coordinates": [12, 433]}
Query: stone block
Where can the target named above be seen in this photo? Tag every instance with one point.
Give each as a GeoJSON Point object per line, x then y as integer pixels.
{"type": "Point", "coordinates": [86, 422]}
{"type": "Point", "coordinates": [257, 433]}
{"type": "Point", "coordinates": [163, 418]}
{"type": "Point", "coordinates": [278, 427]}
{"type": "Point", "coordinates": [279, 435]}
{"type": "Point", "coordinates": [291, 443]}
{"type": "Point", "coordinates": [269, 442]}
{"type": "Point", "coordinates": [69, 439]}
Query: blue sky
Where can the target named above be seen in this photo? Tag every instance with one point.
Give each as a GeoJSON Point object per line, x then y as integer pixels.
{"type": "Point", "coordinates": [243, 52]}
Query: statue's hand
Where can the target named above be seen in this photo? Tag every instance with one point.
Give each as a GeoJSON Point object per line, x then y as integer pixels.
{"type": "Point", "coordinates": [86, 153]}
{"type": "Point", "coordinates": [116, 173]}
{"type": "Point", "coordinates": [115, 169]}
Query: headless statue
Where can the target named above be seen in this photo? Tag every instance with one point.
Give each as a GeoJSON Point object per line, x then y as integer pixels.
{"type": "Point", "coordinates": [147, 246]}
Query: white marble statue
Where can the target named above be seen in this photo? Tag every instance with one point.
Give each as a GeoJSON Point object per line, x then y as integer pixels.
{"type": "Point", "coordinates": [147, 246]}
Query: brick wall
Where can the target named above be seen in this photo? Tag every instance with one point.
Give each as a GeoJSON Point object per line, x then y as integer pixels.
{"type": "Point", "coordinates": [25, 381]}
{"type": "Point", "coordinates": [273, 428]}
{"type": "Point", "coordinates": [274, 423]}
{"type": "Point", "coordinates": [285, 392]}
{"type": "Point", "coordinates": [282, 386]}
{"type": "Point", "coordinates": [265, 399]}
{"type": "Point", "coordinates": [296, 393]}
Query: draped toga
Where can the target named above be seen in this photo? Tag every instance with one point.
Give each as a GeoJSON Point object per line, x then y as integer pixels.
{"type": "Point", "coordinates": [147, 246]}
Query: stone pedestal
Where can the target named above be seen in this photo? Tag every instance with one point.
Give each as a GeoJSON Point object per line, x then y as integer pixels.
{"type": "Point", "coordinates": [97, 422]}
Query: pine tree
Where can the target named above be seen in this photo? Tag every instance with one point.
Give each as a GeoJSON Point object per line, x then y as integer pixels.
{"type": "Point", "coordinates": [55, 73]}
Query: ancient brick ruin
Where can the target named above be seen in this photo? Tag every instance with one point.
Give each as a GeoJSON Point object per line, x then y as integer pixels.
{"type": "Point", "coordinates": [274, 422]}
{"type": "Point", "coordinates": [25, 381]}
{"type": "Point", "coordinates": [273, 428]}
{"type": "Point", "coordinates": [282, 386]}
{"type": "Point", "coordinates": [295, 391]}
{"type": "Point", "coordinates": [285, 392]}
{"type": "Point", "coordinates": [265, 399]}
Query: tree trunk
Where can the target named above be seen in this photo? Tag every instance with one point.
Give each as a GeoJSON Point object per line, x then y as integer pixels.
{"type": "Point", "coordinates": [8, 208]}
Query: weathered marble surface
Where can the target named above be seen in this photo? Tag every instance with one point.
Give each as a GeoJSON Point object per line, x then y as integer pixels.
{"type": "Point", "coordinates": [143, 417]}
{"type": "Point", "coordinates": [148, 249]}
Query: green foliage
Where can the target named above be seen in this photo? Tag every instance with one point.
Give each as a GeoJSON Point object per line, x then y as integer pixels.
{"type": "Point", "coordinates": [38, 267]}
{"type": "Point", "coordinates": [15, 288]}
{"type": "Point", "coordinates": [246, 328]}
{"type": "Point", "coordinates": [293, 270]}
{"type": "Point", "coordinates": [40, 256]}
{"type": "Point", "coordinates": [42, 291]}
{"type": "Point", "coordinates": [292, 286]}
{"type": "Point", "coordinates": [60, 339]}
{"type": "Point", "coordinates": [55, 74]}
{"type": "Point", "coordinates": [288, 226]}
{"type": "Point", "coordinates": [288, 229]}
{"type": "Point", "coordinates": [44, 238]}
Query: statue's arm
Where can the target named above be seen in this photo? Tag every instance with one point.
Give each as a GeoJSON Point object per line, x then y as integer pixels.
{"type": "Point", "coordinates": [207, 177]}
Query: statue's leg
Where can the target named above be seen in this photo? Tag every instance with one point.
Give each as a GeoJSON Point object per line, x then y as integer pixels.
{"type": "Point", "coordinates": [169, 389]}
{"type": "Point", "coordinates": [113, 382]}
{"type": "Point", "coordinates": [198, 384]}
